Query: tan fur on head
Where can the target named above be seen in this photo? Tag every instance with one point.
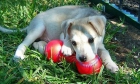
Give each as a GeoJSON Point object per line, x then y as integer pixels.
{"type": "Point", "coordinates": [98, 23]}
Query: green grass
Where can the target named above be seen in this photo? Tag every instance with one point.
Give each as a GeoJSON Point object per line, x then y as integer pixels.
{"type": "Point", "coordinates": [35, 69]}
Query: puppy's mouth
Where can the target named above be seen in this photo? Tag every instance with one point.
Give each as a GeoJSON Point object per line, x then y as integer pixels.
{"type": "Point", "coordinates": [85, 58]}
{"type": "Point", "coordinates": [82, 59]}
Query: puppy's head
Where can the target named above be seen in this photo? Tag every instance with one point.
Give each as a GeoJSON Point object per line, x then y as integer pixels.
{"type": "Point", "coordinates": [85, 34]}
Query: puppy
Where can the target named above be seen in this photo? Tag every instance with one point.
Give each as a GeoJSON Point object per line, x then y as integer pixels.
{"type": "Point", "coordinates": [82, 30]}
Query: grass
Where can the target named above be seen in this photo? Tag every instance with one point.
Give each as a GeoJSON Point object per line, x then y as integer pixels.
{"type": "Point", "coordinates": [35, 69]}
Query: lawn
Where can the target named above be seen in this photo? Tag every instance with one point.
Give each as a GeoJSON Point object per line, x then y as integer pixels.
{"type": "Point", "coordinates": [35, 69]}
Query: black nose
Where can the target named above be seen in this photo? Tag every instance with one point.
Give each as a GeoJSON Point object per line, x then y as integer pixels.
{"type": "Point", "coordinates": [83, 58]}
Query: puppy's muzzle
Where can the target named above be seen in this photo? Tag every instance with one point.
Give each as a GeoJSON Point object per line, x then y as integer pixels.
{"type": "Point", "coordinates": [83, 58]}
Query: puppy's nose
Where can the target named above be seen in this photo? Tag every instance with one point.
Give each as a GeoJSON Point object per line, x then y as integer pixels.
{"type": "Point", "coordinates": [83, 58]}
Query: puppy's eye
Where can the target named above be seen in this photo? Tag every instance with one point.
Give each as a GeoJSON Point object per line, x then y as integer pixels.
{"type": "Point", "coordinates": [73, 43]}
{"type": "Point", "coordinates": [90, 40]}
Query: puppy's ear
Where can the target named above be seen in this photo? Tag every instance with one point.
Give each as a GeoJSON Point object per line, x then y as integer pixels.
{"type": "Point", "coordinates": [66, 26]}
{"type": "Point", "coordinates": [98, 23]}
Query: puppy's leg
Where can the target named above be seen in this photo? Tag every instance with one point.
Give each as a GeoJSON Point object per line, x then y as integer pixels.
{"type": "Point", "coordinates": [106, 58]}
{"type": "Point", "coordinates": [30, 38]}
{"type": "Point", "coordinates": [40, 46]}
{"type": "Point", "coordinates": [67, 47]}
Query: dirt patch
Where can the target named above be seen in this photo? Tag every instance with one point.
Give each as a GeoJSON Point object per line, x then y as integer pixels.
{"type": "Point", "coordinates": [128, 41]}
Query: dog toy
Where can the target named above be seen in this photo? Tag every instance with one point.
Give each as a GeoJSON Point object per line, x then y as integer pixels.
{"type": "Point", "coordinates": [90, 67]}
{"type": "Point", "coordinates": [53, 51]}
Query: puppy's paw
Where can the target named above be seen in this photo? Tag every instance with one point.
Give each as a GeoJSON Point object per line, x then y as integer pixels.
{"type": "Point", "coordinates": [40, 46]}
{"type": "Point", "coordinates": [17, 58]}
{"type": "Point", "coordinates": [66, 50]}
{"type": "Point", "coordinates": [112, 67]}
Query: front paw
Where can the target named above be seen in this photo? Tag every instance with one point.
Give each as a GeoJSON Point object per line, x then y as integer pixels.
{"type": "Point", "coordinates": [17, 58]}
{"type": "Point", "coordinates": [66, 50]}
{"type": "Point", "coordinates": [112, 67]}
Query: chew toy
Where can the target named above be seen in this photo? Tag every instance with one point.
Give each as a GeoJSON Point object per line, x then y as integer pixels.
{"type": "Point", "coordinates": [53, 51]}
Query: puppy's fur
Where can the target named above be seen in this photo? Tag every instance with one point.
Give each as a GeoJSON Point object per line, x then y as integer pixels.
{"type": "Point", "coordinates": [82, 30]}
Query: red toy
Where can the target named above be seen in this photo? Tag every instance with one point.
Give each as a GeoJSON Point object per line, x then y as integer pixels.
{"type": "Point", "coordinates": [90, 67]}
{"type": "Point", "coordinates": [53, 51]}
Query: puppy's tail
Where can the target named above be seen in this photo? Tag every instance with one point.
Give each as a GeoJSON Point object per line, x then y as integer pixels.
{"type": "Point", "coordinates": [6, 30]}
